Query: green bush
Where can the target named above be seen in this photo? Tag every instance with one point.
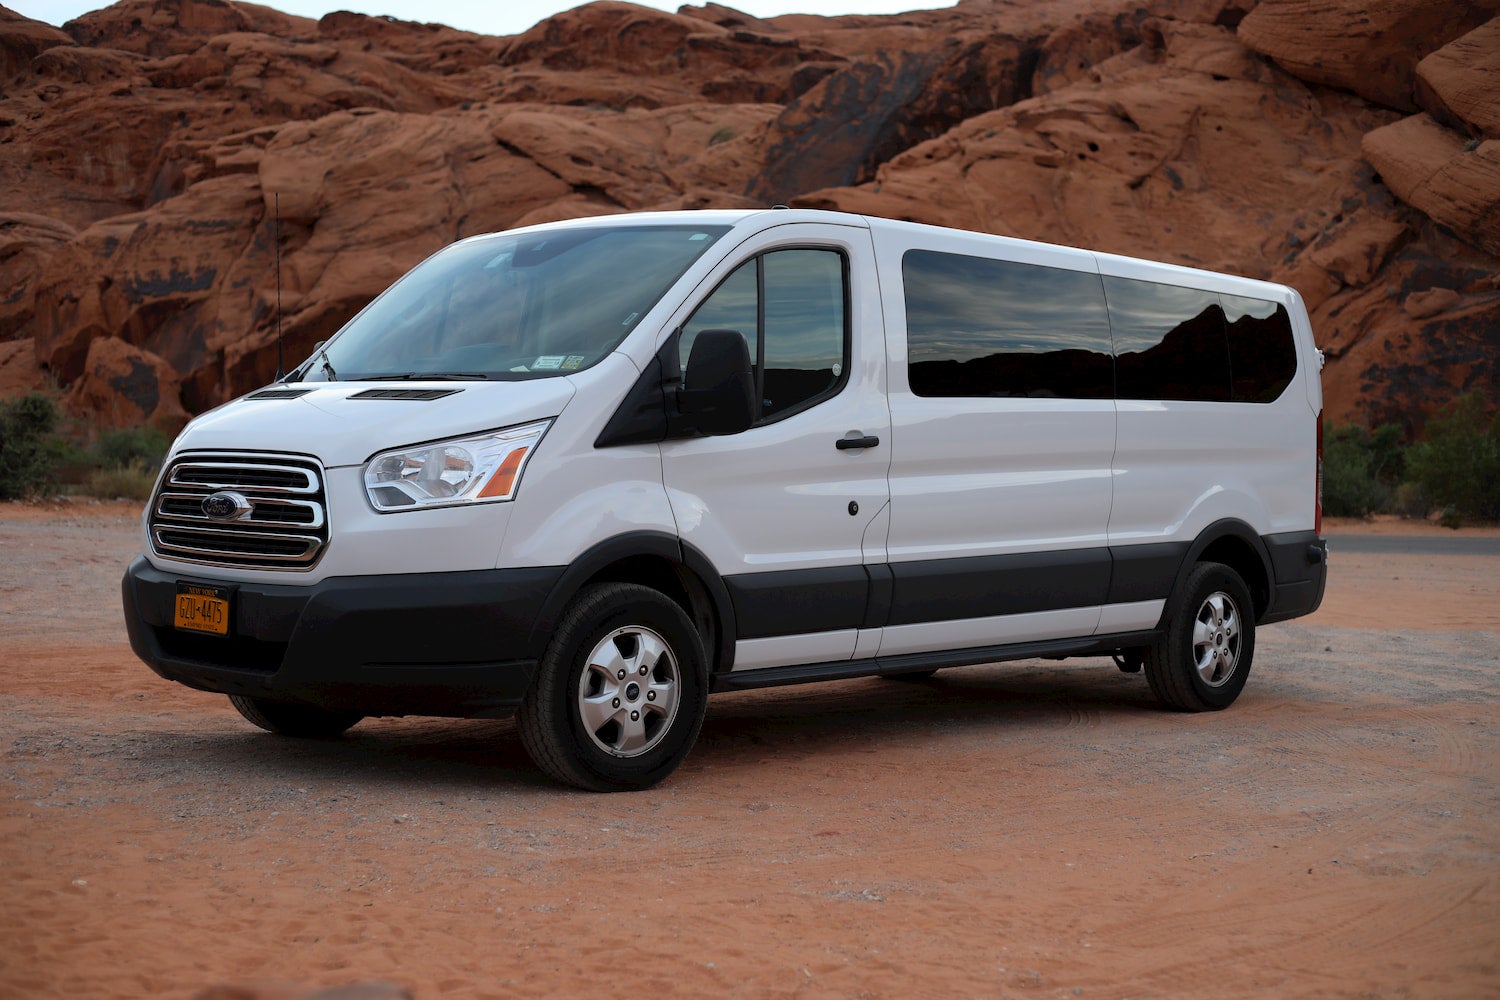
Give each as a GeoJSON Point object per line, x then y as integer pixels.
{"type": "Point", "coordinates": [28, 452]}
{"type": "Point", "coordinates": [1457, 464]}
{"type": "Point", "coordinates": [1359, 469]}
{"type": "Point", "coordinates": [125, 461]}
{"type": "Point", "coordinates": [127, 446]}
{"type": "Point", "coordinates": [125, 482]}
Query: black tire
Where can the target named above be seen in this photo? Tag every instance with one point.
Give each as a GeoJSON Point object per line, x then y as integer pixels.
{"type": "Point", "coordinates": [599, 729]}
{"type": "Point", "coordinates": [1202, 660]}
{"type": "Point", "coordinates": [285, 718]}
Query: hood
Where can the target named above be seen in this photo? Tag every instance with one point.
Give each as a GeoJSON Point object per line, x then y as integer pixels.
{"type": "Point", "coordinates": [344, 423]}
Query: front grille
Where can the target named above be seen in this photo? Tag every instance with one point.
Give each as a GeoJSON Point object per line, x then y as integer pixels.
{"type": "Point", "coordinates": [270, 511]}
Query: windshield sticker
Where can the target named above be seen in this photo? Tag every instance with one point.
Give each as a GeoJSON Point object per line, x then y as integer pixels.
{"type": "Point", "coordinates": [551, 362]}
{"type": "Point", "coordinates": [574, 360]}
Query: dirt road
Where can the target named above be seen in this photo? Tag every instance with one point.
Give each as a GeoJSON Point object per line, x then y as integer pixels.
{"type": "Point", "coordinates": [1035, 829]}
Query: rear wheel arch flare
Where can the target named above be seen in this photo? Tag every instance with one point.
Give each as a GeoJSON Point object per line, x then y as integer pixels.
{"type": "Point", "coordinates": [1236, 545]}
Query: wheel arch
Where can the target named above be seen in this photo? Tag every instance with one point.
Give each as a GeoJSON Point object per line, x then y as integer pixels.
{"type": "Point", "coordinates": [1236, 545]}
{"type": "Point", "coordinates": [662, 562]}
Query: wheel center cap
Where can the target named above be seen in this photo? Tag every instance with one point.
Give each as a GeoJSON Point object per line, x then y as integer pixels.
{"type": "Point", "coordinates": [632, 691]}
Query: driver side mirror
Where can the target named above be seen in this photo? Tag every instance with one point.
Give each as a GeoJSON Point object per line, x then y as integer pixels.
{"type": "Point", "coordinates": [718, 391]}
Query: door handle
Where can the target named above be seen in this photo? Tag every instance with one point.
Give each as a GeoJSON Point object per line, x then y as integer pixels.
{"type": "Point", "coordinates": [852, 443]}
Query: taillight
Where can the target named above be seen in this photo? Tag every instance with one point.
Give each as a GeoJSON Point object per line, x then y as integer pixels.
{"type": "Point", "coordinates": [1318, 509]}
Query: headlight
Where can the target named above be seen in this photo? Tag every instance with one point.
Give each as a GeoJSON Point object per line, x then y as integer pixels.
{"type": "Point", "coordinates": [479, 469]}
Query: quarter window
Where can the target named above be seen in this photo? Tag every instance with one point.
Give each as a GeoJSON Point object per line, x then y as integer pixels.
{"type": "Point", "coordinates": [1262, 351]}
{"type": "Point", "coordinates": [791, 307]}
{"type": "Point", "coordinates": [982, 327]}
{"type": "Point", "coordinates": [1169, 341]}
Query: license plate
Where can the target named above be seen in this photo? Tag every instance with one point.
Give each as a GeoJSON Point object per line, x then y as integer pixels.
{"type": "Point", "coordinates": [201, 608]}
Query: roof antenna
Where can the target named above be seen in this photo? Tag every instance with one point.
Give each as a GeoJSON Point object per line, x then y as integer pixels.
{"type": "Point", "coordinates": [279, 365]}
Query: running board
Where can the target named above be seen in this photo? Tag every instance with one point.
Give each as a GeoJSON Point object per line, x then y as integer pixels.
{"type": "Point", "coordinates": [838, 670]}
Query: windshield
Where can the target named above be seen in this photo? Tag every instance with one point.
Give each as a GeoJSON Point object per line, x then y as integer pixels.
{"type": "Point", "coordinates": [532, 305]}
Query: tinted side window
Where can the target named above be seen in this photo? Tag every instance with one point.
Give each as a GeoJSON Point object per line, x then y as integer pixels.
{"type": "Point", "coordinates": [803, 338]}
{"type": "Point", "coordinates": [1262, 351]}
{"type": "Point", "coordinates": [791, 307]}
{"type": "Point", "coordinates": [982, 327]}
{"type": "Point", "coordinates": [1169, 341]}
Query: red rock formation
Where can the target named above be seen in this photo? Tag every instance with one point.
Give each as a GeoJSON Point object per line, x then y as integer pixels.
{"type": "Point", "coordinates": [124, 386]}
{"type": "Point", "coordinates": [1460, 82]}
{"type": "Point", "coordinates": [146, 148]}
{"type": "Point", "coordinates": [18, 371]}
{"type": "Point", "coordinates": [22, 40]}
{"type": "Point", "coordinates": [1434, 170]}
{"type": "Point", "coordinates": [1371, 48]}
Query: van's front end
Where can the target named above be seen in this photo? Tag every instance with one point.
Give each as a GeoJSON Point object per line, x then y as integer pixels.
{"type": "Point", "coordinates": [336, 545]}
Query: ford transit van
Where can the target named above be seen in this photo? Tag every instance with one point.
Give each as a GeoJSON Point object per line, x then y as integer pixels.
{"type": "Point", "coordinates": [592, 471]}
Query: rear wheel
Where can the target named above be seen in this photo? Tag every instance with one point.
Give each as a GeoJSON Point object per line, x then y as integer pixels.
{"type": "Point", "coordinates": [286, 718]}
{"type": "Point", "coordinates": [1202, 660]}
{"type": "Point", "coordinates": [620, 693]}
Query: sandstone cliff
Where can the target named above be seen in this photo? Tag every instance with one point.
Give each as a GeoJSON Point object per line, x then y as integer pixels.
{"type": "Point", "coordinates": [1349, 149]}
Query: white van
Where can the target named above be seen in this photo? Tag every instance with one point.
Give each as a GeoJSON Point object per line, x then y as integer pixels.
{"type": "Point", "coordinates": [591, 471]}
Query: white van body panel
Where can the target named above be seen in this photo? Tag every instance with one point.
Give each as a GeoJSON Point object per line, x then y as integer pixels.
{"type": "Point", "coordinates": [338, 430]}
{"type": "Point", "coordinates": [811, 518]}
{"type": "Point", "coordinates": [1259, 451]}
{"type": "Point", "coordinates": [589, 494]}
{"type": "Point", "coordinates": [776, 497]}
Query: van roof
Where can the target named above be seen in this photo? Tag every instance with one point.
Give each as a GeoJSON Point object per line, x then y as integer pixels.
{"type": "Point", "coordinates": [1108, 263]}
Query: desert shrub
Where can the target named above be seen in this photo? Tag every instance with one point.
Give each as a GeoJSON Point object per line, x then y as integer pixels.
{"type": "Point", "coordinates": [1411, 501]}
{"type": "Point", "coordinates": [28, 451]}
{"type": "Point", "coordinates": [123, 463]}
{"type": "Point", "coordinates": [1457, 463]}
{"type": "Point", "coordinates": [132, 481]}
{"type": "Point", "coordinates": [127, 446]}
{"type": "Point", "coordinates": [1356, 464]}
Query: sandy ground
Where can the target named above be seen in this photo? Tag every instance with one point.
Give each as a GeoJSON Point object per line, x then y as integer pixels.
{"type": "Point", "coordinates": [1034, 829]}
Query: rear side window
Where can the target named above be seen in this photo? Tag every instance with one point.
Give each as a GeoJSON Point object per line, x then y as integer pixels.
{"type": "Point", "coordinates": [1262, 351]}
{"type": "Point", "coordinates": [982, 327]}
{"type": "Point", "coordinates": [1169, 341]}
{"type": "Point", "coordinates": [791, 306]}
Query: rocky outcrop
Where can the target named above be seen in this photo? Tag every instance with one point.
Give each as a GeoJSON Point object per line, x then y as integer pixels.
{"type": "Point", "coordinates": [1459, 84]}
{"type": "Point", "coordinates": [18, 371]}
{"type": "Point", "coordinates": [1371, 48]}
{"type": "Point", "coordinates": [169, 151]}
{"type": "Point", "coordinates": [1454, 182]}
{"type": "Point", "coordinates": [125, 386]}
{"type": "Point", "coordinates": [22, 40]}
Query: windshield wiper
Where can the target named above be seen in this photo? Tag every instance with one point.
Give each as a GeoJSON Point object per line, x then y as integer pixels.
{"type": "Point", "coordinates": [328, 367]}
{"type": "Point", "coordinates": [432, 376]}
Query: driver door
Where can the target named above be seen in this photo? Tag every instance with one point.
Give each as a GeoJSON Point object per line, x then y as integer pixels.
{"type": "Point", "coordinates": [790, 510]}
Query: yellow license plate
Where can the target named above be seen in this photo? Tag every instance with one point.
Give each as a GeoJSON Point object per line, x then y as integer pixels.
{"type": "Point", "coordinates": [201, 608]}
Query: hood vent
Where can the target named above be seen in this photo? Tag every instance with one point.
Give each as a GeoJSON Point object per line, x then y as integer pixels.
{"type": "Point", "coordinates": [278, 394]}
{"type": "Point", "coordinates": [404, 393]}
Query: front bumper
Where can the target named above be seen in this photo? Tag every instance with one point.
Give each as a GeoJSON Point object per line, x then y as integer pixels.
{"type": "Point", "coordinates": [453, 644]}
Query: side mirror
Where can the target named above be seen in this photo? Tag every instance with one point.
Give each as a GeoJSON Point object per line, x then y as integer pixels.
{"type": "Point", "coordinates": [718, 392]}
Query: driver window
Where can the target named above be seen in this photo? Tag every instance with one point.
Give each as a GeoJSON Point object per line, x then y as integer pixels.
{"type": "Point", "coordinates": [790, 306]}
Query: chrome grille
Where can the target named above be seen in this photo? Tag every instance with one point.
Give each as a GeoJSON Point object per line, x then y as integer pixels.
{"type": "Point", "coordinates": [275, 516]}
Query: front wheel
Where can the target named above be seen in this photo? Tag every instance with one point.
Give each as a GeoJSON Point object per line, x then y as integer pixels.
{"type": "Point", "coordinates": [285, 718]}
{"type": "Point", "coordinates": [620, 693]}
{"type": "Point", "coordinates": [1202, 660]}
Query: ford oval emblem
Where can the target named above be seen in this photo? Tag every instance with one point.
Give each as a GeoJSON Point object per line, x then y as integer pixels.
{"type": "Point", "coordinates": [225, 506]}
